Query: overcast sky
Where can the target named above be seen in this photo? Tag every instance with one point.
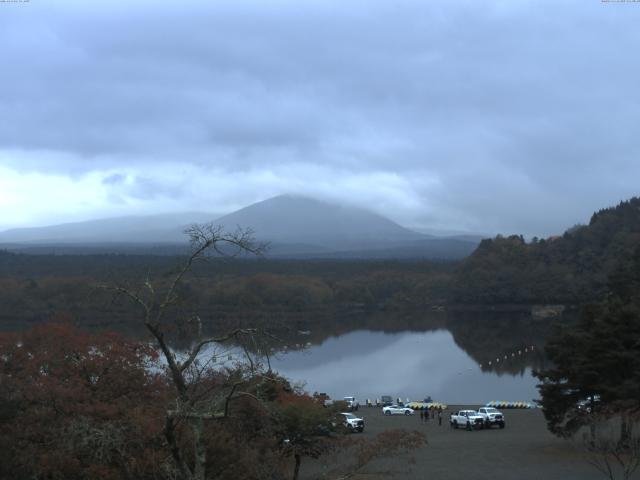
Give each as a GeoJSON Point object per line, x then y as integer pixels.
{"type": "Point", "coordinates": [489, 116]}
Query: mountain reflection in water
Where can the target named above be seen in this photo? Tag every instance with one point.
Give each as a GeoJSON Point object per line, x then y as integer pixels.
{"type": "Point", "coordinates": [410, 364]}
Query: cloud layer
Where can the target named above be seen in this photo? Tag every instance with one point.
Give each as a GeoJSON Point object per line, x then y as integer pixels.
{"type": "Point", "coordinates": [487, 116]}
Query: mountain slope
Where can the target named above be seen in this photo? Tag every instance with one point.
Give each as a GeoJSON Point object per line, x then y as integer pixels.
{"type": "Point", "coordinates": [303, 220]}
{"type": "Point", "coordinates": [133, 229]}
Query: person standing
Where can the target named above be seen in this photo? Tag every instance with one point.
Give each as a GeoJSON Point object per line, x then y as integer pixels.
{"type": "Point", "coordinates": [421, 416]}
{"type": "Point", "coordinates": [439, 417]}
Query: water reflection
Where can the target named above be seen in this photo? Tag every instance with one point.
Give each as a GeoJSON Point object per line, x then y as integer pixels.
{"type": "Point", "coordinates": [406, 364]}
{"type": "Point", "coordinates": [449, 355]}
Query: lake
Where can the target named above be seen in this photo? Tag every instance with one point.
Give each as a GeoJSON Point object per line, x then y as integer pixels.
{"type": "Point", "coordinates": [456, 357]}
{"type": "Point", "coordinates": [410, 364]}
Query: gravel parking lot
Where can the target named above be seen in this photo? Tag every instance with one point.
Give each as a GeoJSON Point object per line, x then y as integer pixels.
{"type": "Point", "coordinates": [524, 450]}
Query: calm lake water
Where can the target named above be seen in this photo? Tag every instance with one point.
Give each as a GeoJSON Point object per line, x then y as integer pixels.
{"type": "Point", "coordinates": [455, 357]}
{"type": "Point", "coordinates": [410, 364]}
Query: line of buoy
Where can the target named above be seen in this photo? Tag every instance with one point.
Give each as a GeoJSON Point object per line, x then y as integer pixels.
{"type": "Point", "coordinates": [527, 349]}
{"type": "Point", "coordinates": [427, 406]}
{"type": "Point", "coordinates": [503, 404]}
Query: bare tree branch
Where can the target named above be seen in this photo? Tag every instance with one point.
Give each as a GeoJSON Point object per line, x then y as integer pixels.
{"type": "Point", "coordinates": [228, 399]}
{"type": "Point", "coordinates": [204, 239]}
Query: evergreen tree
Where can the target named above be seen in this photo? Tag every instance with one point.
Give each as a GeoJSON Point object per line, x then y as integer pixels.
{"type": "Point", "coordinates": [599, 358]}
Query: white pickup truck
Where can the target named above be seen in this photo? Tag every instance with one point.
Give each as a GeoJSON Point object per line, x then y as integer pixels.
{"type": "Point", "coordinates": [491, 416]}
{"type": "Point", "coordinates": [353, 423]}
{"type": "Point", "coordinates": [469, 419]}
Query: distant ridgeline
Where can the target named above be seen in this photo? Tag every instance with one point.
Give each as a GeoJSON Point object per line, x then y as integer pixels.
{"type": "Point", "coordinates": [569, 269]}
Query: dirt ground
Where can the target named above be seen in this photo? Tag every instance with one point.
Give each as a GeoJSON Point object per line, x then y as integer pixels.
{"type": "Point", "coordinates": [524, 450]}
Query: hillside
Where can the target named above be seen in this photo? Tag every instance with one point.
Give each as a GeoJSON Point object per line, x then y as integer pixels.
{"type": "Point", "coordinates": [572, 268]}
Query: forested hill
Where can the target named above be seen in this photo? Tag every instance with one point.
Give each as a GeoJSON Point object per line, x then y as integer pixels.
{"type": "Point", "coordinates": [572, 268]}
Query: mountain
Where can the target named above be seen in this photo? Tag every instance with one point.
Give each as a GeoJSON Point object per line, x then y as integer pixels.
{"type": "Point", "coordinates": [291, 219]}
{"type": "Point", "coordinates": [134, 229]}
{"type": "Point", "coordinates": [295, 227]}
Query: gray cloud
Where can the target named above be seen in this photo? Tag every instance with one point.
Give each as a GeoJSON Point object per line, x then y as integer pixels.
{"type": "Point", "coordinates": [496, 116]}
{"type": "Point", "coordinates": [115, 179]}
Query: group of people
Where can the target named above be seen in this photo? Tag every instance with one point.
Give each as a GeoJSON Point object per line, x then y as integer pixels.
{"type": "Point", "coordinates": [424, 415]}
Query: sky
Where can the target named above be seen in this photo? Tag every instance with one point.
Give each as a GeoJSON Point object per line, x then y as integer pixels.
{"type": "Point", "coordinates": [503, 116]}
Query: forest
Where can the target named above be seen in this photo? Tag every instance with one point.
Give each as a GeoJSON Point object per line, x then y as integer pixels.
{"type": "Point", "coordinates": [571, 269]}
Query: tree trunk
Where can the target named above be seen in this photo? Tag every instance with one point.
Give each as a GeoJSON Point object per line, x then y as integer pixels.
{"type": "Point", "coordinates": [169, 433]}
{"type": "Point", "coordinates": [296, 469]}
{"type": "Point", "coordinates": [200, 450]}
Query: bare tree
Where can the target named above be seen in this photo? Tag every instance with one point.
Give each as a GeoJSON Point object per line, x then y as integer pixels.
{"type": "Point", "coordinates": [612, 444]}
{"type": "Point", "coordinates": [194, 406]}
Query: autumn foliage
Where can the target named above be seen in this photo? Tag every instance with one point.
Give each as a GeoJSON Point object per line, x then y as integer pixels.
{"type": "Point", "coordinates": [75, 405]}
{"type": "Point", "coordinates": [80, 406]}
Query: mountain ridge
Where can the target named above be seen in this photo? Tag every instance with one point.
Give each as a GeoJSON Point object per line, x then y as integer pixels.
{"type": "Point", "coordinates": [294, 225]}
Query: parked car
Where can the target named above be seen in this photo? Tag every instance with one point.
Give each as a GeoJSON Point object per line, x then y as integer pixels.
{"type": "Point", "coordinates": [353, 423]}
{"type": "Point", "coordinates": [469, 419]}
{"type": "Point", "coordinates": [397, 410]}
{"type": "Point", "coordinates": [492, 416]}
{"type": "Point", "coordinates": [352, 403]}
{"type": "Point", "coordinates": [587, 405]}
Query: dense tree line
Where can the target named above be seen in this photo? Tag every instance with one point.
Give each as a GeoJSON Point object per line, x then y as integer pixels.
{"type": "Point", "coordinates": [33, 288]}
{"type": "Point", "coordinates": [570, 269]}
